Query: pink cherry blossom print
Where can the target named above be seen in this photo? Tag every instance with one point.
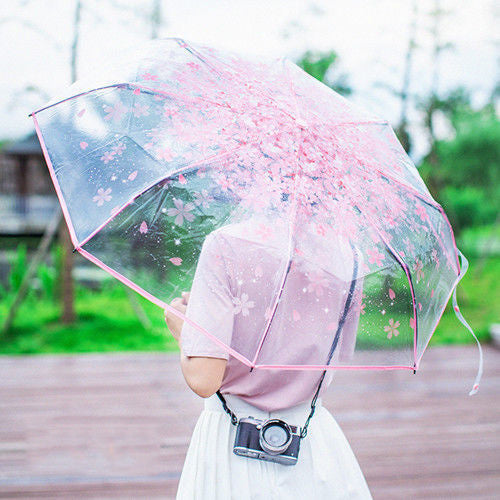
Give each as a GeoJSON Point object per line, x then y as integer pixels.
{"type": "Point", "coordinates": [321, 229]}
{"type": "Point", "coordinates": [374, 256]}
{"type": "Point", "coordinates": [268, 313]}
{"type": "Point", "coordinates": [317, 283]}
{"type": "Point", "coordinates": [140, 110]}
{"type": "Point", "coordinates": [262, 191]}
{"type": "Point", "coordinates": [421, 212]}
{"type": "Point", "coordinates": [242, 304]}
{"type": "Point", "coordinates": [264, 232]}
{"type": "Point", "coordinates": [202, 199]}
{"type": "Point", "coordinates": [418, 268]}
{"type": "Point", "coordinates": [107, 157]}
{"type": "Point", "coordinates": [150, 76]}
{"type": "Point", "coordinates": [115, 112]}
{"type": "Point", "coordinates": [435, 257]}
{"type": "Point", "coordinates": [118, 148]}
{"type": "Point", "coordinates": [258, 271]}
{"type": "Point", "coordinates": [102, 196]}
{"type": "Point", "coordinates": [412, 323]}
{"type": "Point", "coordinates": [165, 154]}
{"type": "Point", "coordinates": [391, 328]}
{"type": "Point", "coordinates": [181, 212]}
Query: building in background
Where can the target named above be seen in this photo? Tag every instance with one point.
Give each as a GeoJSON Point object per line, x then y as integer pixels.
{"type": "Point", "coordinates": [27, 196]}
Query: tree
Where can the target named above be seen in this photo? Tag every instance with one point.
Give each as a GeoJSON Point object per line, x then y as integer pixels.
{"type": "Point", "coordinates": [463, 172]}
{"type": "Point", "coordinates": [401, 128]}
{"type": "Point", "coordinates": [321, 65]}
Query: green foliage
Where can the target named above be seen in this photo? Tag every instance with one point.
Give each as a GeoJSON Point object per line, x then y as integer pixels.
{"type": "Point", "coordinates": [468, 206]}
{"type": "Point", "coordinates": [463, 173]}
{"type": "Point", "coordinates": [478, 296]}
{"type": "Point", "coordinates": [106, 322]}
{"type": "Point", "coordinates": [47, 276]}
{"type": "Point", "coordinates": [480, 241]}
{"type": "Point", "coordinates": [17, 268]}
{"type": "Point", "coordinates": [319, 65]}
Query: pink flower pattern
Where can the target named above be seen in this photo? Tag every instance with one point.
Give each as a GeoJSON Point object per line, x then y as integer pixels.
{"type": "Point", "coordinates": [391, 328]}
{"type": "Point", "coordinates": [102, 196]}
{"type": "Point", "coordinates": [374, 256]}
{"type": "Point", "coordinates": [181, 212]}
{"type": "Point", "coordinates": [246, 138]}
{"type": "Point", "coordinates": [242, 304]}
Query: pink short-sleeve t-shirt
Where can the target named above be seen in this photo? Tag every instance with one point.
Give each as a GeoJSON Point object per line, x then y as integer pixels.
{"type": "Point", "coordinates": [237, 280]}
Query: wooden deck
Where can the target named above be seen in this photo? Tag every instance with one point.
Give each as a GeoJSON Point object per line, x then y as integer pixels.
{"type": "Point", "coordinates": [118, 426]}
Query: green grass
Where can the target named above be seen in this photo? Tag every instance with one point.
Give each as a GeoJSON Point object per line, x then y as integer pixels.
{"type": "Point", "coordinates": [478, 297]}
{"type": "Point", "coordinates": [106, 320]}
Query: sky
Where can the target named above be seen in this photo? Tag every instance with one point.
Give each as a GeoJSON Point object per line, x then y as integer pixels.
{"type": "Point", "coordinates": [369, 36]}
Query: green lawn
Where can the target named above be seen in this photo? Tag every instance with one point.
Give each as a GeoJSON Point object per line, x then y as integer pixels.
{"type": "Point", "coordinates": [106, 320]}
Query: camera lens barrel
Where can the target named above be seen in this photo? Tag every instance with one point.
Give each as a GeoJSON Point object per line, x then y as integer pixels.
{"type": "Point", "coordinates": [275, 436]}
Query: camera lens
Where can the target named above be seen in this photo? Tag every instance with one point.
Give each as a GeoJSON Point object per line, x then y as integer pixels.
{"type": "Point", "coordinates": [275, 436]}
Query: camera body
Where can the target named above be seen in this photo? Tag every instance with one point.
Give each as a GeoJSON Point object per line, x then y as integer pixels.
{"type": "Point", "coordinates": [271, 440]}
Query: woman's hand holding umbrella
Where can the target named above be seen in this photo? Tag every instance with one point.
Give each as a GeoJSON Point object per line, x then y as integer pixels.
{"type": "Point", "coordinates": [203, 375]}
{"type": "Point", "coordinates": [175, 323]}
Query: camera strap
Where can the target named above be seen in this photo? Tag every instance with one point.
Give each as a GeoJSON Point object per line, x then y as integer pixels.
{"type": "Point", "coordinates": [347, 305]}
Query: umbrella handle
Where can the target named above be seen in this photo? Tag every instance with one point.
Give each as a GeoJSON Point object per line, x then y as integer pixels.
{"type": "Point", "coordinates": [464, 264]}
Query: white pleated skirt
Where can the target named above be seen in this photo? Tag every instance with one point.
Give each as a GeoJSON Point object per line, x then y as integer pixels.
{"type": "Point", "coordinates": [326, 468]}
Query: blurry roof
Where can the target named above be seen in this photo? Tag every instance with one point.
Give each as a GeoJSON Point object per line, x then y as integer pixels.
{"type": "Point", "coordinates": [27, 146]}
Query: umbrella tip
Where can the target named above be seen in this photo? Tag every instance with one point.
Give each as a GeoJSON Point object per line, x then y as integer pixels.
{"type": "Point", "coordinates": [474, 390]}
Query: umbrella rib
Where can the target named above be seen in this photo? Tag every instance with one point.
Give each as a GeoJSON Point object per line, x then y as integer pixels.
{"type": "Point", "coordinates": [406, 269]}
{"type": "Point", "coordinates": [293, 210]}
{"type": "Point", "coordinates": [153, 184]}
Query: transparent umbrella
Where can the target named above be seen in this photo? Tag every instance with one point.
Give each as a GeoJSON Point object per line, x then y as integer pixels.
{"type": "Point", "coordinates": [189, 162]}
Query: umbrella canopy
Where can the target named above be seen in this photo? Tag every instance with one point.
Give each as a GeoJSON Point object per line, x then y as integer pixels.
{"type": "Point", "coordinates": [294, 186]}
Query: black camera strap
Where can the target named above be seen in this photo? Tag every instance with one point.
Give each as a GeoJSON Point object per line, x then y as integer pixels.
{"type": "Point", "coordinates": [347, 305]}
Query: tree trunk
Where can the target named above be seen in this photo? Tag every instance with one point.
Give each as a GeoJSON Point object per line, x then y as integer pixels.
{"type": "Point", "coordinates": [66, 277]}
{"type": "Point", "coordinates": [67, 288]}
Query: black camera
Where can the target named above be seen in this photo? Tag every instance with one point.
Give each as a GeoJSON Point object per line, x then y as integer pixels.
{"type": "Point", "coordinates": [272, 440]}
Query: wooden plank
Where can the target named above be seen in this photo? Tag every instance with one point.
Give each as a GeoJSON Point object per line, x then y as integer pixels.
{"type": "Point", "coordinates": [118, 426]}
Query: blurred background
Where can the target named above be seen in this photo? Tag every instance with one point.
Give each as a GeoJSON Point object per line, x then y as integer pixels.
{"type": "Point", "coordinates": [431, 67]}
{"type": "Point", "coordinates": [118, 425]}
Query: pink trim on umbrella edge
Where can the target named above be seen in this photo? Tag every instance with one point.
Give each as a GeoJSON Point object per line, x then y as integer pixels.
{"type": "Point", "coordinates": [53, 176]}
{"type": "Point", "coordinates": [161, 304]}
{"type": "Point", "coordinates": [334, 367]}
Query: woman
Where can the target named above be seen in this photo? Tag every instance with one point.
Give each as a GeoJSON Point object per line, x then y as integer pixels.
{"type": "Point", "coordinates": [234, 286]}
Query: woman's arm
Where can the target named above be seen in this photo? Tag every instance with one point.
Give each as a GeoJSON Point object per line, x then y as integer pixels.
{"type": "Point", "coordinates": [203, 375]}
